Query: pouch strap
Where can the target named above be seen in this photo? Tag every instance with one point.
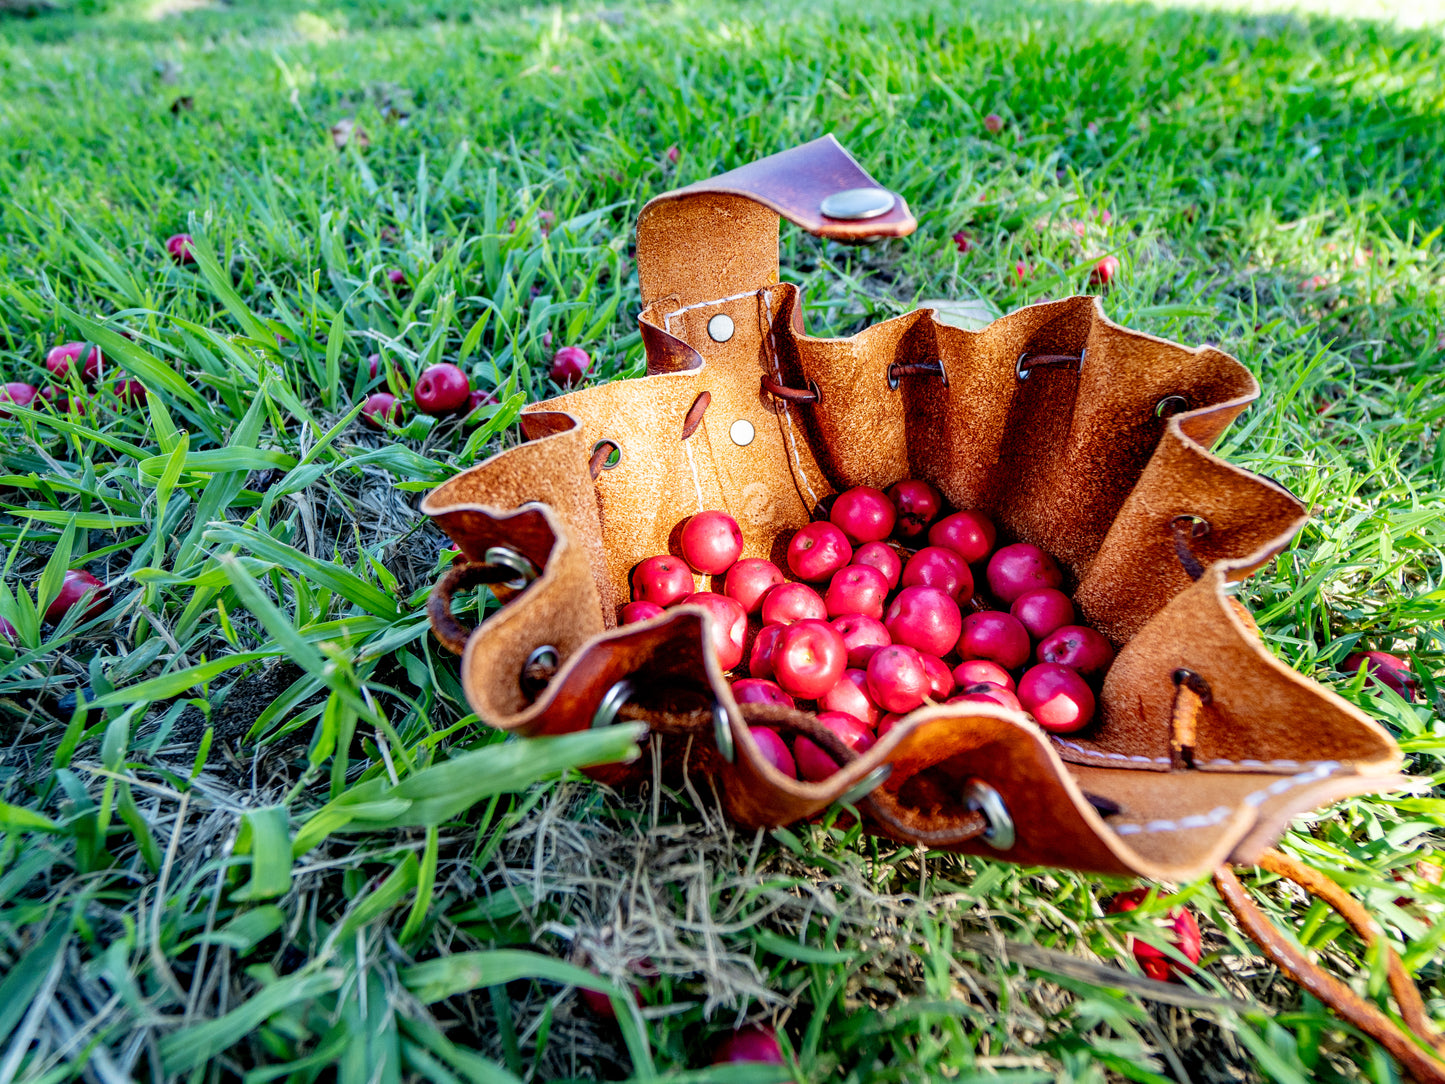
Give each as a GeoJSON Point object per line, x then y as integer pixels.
{"type": "Point", "coordinates": [1418, 1049]}
{"type": "Point", "coordinates": [462, 575]}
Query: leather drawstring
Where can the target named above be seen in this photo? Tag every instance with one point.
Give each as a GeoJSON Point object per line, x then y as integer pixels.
{"type": "Point", "coordinates": [1191, 693]}
{"type": "Point", "coordinates": [1423, 1062]}
{"type": "Point", "coordinates": [792, 395]}
{"type": "Point", "coordinates": [451, 632]}
{"type": "Point", "coordinates": [1185, 528]}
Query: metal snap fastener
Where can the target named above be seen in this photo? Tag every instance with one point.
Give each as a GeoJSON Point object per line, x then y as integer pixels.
{"type": "Point", "coordinates": [742, 432]}
{"type": "Point", "coordinates": [856, 203]}
{"type": "Point", "coordinates": [720, 328]}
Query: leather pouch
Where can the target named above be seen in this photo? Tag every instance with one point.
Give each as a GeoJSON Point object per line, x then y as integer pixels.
{"type": "Point", "coordinates": [1072, 432]}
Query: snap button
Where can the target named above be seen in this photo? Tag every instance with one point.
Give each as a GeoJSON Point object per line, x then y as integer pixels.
{"type": "Point", "coordinates": [856, 203]}
{"type": "Point", "coordinates": [742, 432]}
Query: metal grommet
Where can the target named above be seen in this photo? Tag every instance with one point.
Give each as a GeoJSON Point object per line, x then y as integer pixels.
{"type": "Point", "coordinates": [722, 733]}
{"type": "Point", "coordinates": [866, 786]}
{"type": "Point", "coordinates": [720, 328]}
{"type": "Point", "coordinates": [1170, 405]}
{"type": "Point", "coordinates": [893, 378]}
{"type": "Point", "coordinates": [982, 798]}
{"type": "Point", "coordinates": [546, 655]}
{"type": "Point", "coordinates": [613, 457]}
{"type": "Point", "coordinates": [742, 432]}
{"type": "Point", "coordinates": [853, 204]}
{"type": "Point", "coordinates": [611, 704]}
{"type": "Point", "coordinates": [1019, 370]}
{"type": "Point", "coordinates": [1197, 526]}
{"type": "Point", "coordinates": [500, 555]}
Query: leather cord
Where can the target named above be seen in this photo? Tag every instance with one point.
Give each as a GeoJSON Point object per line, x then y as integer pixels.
{"type": "Point", "coordinates": [1191, 693]}
{"type": "Point", "coordinates": [1185, 528]}
{"type": "Point", "coordinates": [792, 395]}
{"type": "Point", "coordinates": [462, 575]}
{"type": "Point", "coordinates": [1422, 1062]}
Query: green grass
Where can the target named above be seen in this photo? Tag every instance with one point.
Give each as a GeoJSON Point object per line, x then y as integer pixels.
{"type": "Point", "coordinates": [274, 839]}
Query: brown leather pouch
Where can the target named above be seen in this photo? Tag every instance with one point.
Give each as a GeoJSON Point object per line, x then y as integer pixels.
{"type": "Point", "coordinates": [1084, 437]}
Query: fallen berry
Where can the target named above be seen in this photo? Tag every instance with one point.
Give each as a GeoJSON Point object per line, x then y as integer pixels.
{"type": "Point", "coordinates": [752, 1043]}
{"type": "Point", "coordinates": [441, 389]}
{"type": "Point", "coordinates": [17, 393]}
{"type": "Point", "coordinates": [963, 241]}
{"type": "Point", "coordinates": [1057, 697]}
{"type": "Point", "coordinates": [1104, 271]}
{"type": "Point", "coordinates": [634, 612]}
{"type": "Point", "coordinates": [179, 247]}
{"type": "Point", "coordinates": [1180, 929]}
{"type": "Point", "coordinates": [569, 365]}
{"type": "Point", "coordinates": [60, 358]}
{"type": "Point", "coordinates": [993, 122]}
{"type": "Point", "coordinates": [130, 392]}
{"type": "Point", "coordinates": [379, 408]}
{"type": "Point", "coordinates": [711, 542]}
{"type": "Point", "coordinates": [662, 580]}
{"type": "Point", "coordinates": [78, 585]}
{"type": "Point", "coordinates": [1384, 669]}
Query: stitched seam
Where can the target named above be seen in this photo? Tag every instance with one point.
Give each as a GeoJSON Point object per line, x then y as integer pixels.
{"type": "Point", "coordinates": [667, 316]}
{"type": "Point", "coordinates": [696, 481]}
{"type": "Point", "coordinates": [1323, 770]}
{"type": "Point", "coordinates": [765, 298]}
{"type": "Point", "coordinates": [1282, 764]}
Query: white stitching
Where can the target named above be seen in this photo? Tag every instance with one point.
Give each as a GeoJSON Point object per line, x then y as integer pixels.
{"type": "Point", "coordinates": [1323, 770]}
{"type": "Point", "coordinates": [1111, 756]}
{"type": "Point", "coordinates": [1282, 765]}
{"type": "Point", "coordinates": [765, 297]}
{"type": "Point", "coordinates": [696, 482]}
{"type": "Point", "coordinates": [667, 316]}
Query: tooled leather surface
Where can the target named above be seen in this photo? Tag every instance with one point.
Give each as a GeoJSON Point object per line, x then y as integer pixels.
{"type": "Point", "coordinates": [1075, 461]}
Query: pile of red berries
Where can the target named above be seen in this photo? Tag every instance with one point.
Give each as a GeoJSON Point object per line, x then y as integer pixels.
{"type": "Point", "coordinates": [888, 633]}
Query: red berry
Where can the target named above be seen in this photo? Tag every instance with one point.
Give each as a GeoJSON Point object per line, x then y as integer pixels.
{"type": "Point", "coordinates": [809, 658]}
{"type": "Point", "coordinates": [897, 681]}
{"type": "Point", "coordinates": [396, 276]}
{"type": "Point", "coordinates": [1057, 697]}
{"type": "Point", "coordinates": [850, 696]}
{"type": "Point", "coordinates": [752, 1043]}
{"type": "Point", "coordinates": [749, 580]}
{"type": "Point", "coordinates": [380, 407]}
{"type": "Point", "coordinates": [476, 398]}
{"type": "Point", "coordinates": [1078, 646]}
{"type": "Point", "coordinates": [1180, 929]}
{"type": "Point", "coordinates": [662, 580]}
{"type": "Point", "coordinates": [373, 365]}
{"type": "Point", "coordinates": [935, 566]}
{"type": "Point", "coordinates": [864, 514]}
{"type": "Point", "coordinates": [1383, 668]}
{"type": "Point", "coordinates": [1104, 271]}
{"type": "Point", "coordinates": [997, 636]}
{"type": "Point", "coordinates": [856, 589]}
{"type": "Point", "coordinates": [969, 534]}
{"type": "Point", "coordinates": [977, 671]}
{"type": "Point", "coordinates": [1021, 567]}
{"type": "Point", "coordinates": [569, 365]}
{"type": "Point", "coordinates": [441, 389]}
{"type": "Point", "coordinates": [963, 241]}
{"type": "Point", "coordinates": [640, 611]}
{"type": "Point", "coordinates": [918, 503]}
{"type": "Point", "coordinates": [924, 618]}
{"type": "Point", "coordinates": [61, 357]}
{"type": "Point", "coordinates": [760, 659]}
{"type": "Point", "coordinates": [17, 393]}
{"type": "Point", "coordinates": [729, 625]}
{"type": "Point", "coordinates": [883, 557]}
{"type": "Point", "coordinates": [789, 603]}
{"type": "Point", "coordinates": [940, 678]}
{"type": "Point", "coordinates": [711, 542]}
{"type": "Point", "coordinates": [1021, 270]}
{"type": "Point", "coordinates": [179, 247]}
{"type": "Point", "coordinates": [775, 751]}
{"type": "Point", "coordinates": [760, 691]}
{"type": "Point", "coordinates": [7, 630]}
{"type": "Point", "coordinates": [987, 693]}
{"type": "Point", "coordinates": [862, 636]}
{"type": "Point", "coordinates": [75, 586]}
{"type": "Point", "coordinates": [814, 764]}
{"type": "Point", "coordinates": [130, 392]}
{"type": "Point", "coordinates": [1043, 610]}
{"type": "Point", "coordinates": [817, 551]}
{"type": "Point", "coordinates": [672, 154]}
{"type": "Point", "coordinates": [993, 122]}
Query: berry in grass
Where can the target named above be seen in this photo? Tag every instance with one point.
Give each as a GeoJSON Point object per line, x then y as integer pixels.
{"type": "Point", "coordinates": [62, 357]}
{"type": "Point", "coordinates": [569, 365]}
{"type": "Point", "coordinates": [379, 408]}
{"type": "Point", "coordinates": [18, 393]}
{"type": "Point", "coordinates": [441, 389]}
{"type": "Point", "coordinates": [1104, 271]}
{"type": "Point", "coordinates": [76, 586]}
{"type": "Point", "coordinates": [1180, 929]}
{"type": "Point", "coordinates": [1384, 669]}
{"type": "Point", "coordinates": [179, 247]}
{"type": "Point", "coordinates": [753, 1043]}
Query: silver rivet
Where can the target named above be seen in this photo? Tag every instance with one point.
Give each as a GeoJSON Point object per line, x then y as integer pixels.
{"type": "Point", "coordinates": [612, 701]}
{"type": "Point", "coordinates": [742, 432]}
{"type": "Point", "coordinates": [526, 571]}
{"type": "Point", "coordinates": [856, 203]}
{"type": "Point", "coordinates": [720, 328]}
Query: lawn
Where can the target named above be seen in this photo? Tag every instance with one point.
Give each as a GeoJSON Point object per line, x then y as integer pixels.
{"type": "Point", "coordinates": [269, 838]}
